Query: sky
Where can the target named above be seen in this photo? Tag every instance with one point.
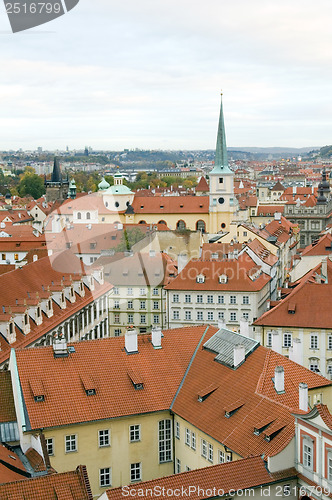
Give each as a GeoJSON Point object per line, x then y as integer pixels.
{"type": "Point", "coordinates": [148, 74]}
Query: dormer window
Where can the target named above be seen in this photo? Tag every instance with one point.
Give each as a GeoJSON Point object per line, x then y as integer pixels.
{"type": "Point", "coordinates": [39, 399]}
{"type": "Point", "coordinates": [11, 328]}
{"type": "Point", "coordinates": [223, 279]}
{"type": "Point", "coordinates": [38, 312]}
{"type": "Point", "coordinates": [200, 278]}
{"type": "Point", "coordinates": [88, 384]}
{"type": "Point", "coordinates": [26, 319]}
{"type": "Point", "coordinates": [91, 392]}
{"type": "Point", "coordinates": [136, 379]}
{"type": "Point", "coordinates": [214, 255]}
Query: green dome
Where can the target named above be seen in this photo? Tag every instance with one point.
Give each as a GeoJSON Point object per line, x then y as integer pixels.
{"type": "Point", "coordinates": [103, 185]}
{"type": "Point", "coordinates": [118, 189]}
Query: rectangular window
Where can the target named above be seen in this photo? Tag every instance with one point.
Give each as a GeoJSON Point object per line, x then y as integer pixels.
{"type": "Point", "coordinates": [307, 455]}
{"type": "Point", "coordinates": [269, 339]}
{"type": "Point", "coordinates": [233, 316]}
{"type": "Point", "coordinates": [221, 315]}
{"type": "Point", "coordinates": [3, 256]}
{"type": "Point", "coordinates": [115, 290]}
{"type": "Point", "coordinates": [188, 437]}
{"type": "Point", "coordinates": [187, 298]}
{"type": "Point", "coordinates": [142, 291]}
{"type": "Point", "coordinates": [229, 457]}
{"type": "Point", "coordinates": [129, 291]}
{"type": "Point", "coordinates": [177, 466]}
{"type": "Point", "coordinates": [50, 446]}
{"type": "Point", "coordinates": [155, 291]}
{"type": "Point", "coordinates": [105, 477]}
{"type": "Point", "coordinates": [116, 304]}
{"type": "Point", "coordinates": [329, 467]}
{"type": "Point", "coordinates": [176, 314]}
{"type": "Point", "coordinates": [287, 340]}
{"type": "Point", "coordinates": [71, 443]}
{"type": "Point", "coordinates": [245, 315]}
{"type": "Point", "coordinates": [117, 332]}
{"type": "Point", "coordinates": [221, 180]}
{"type": "Point", "coordinates": [155, 319]}
{"type": "Point", "coordinates": [199, 315]}
{"type": "Point", "coordinates": [210, 315]}
{"type": "Point", "coordinates": [245, 299]}
{"type": "Point", "coordinates": [155, 304]}
{"type": "Point", "coordinates": [177, 430]}
{"type": "Point", "coordinates": [104, 438]}
{"type": "Point", "coordinates": [221, 299]}
{"type": "Point", "coordinates": [165, 441]}
{"type": "Point", "coordinates": [210, 299]}
{"type": "Point", "coordinates": [210, 456]}
{"type": "Point", "coordinates": [199, 299]}
{"type": "Point", "coordinates": [143, 319]}
{"type": "Point", "coordinates": [313, 365]}
{"type": "Point", "coordinates": [188, 315]}
{"type": "Point", "coordinates": [116, 318]}
{"type": "Point", "coordinates": [136, 471]}
{"type": "Point", "coordinates": [204, 448]}
{"type": "Point", "coordinates": [176, 297]}
{"type": "Point", "coordinates": [313, 341]}
{"type": "Point", "coordinates": [232, 299]}
{"type": "Point", "coordinates": [142, 304]}
{"type": "Point", "coordinates": [130, 318]}
{"type": "Point", "coordinates": [130, 304]}
{"type": "Point", "coordinates": [329, 342]}
{"type": "Point", "coordinates": [193, 440]}
{"type": "Point", "coordinates": [221, 457]}
{"type": "Point", "coordinates": [134, 433]}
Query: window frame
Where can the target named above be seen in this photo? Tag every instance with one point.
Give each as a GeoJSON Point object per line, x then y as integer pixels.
{"type": "Point", "coordinates": [102, 437]}
{"type": "Point", "coordinates": [134, 433]}
{"type": "Point", "coordinates": [105, 472]}
{"type": "Point", "coordinates": [72, 438]}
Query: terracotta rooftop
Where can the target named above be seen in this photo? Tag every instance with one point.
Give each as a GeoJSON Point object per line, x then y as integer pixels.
{"type": "Point", "coordinates": [262, 252]}
{"type": "Point", "coordinates": [222, 250]}
{"type": "Point", "coordinates": [7, 407]}
{"type": "Point", "coordinates": [321, 247]}
{"type": "Point", "coordinates": [67, 486]}
{"type": "Point", "coordinates": [193, 369]}
{"type": "Point", "coordinates": [311, 303]}
{"type": "Point", "coordinates": [202, 186]}
{"type": "Point", "coordinates": [171, 205]}
{"type": "Point", "coordinates": [229, 477]}
{"type": "Point", "coordinates": [11, 467]}
{"type": "Point", "coordinates": [269, 210]}
{"type": "Point", "coordinates": [242, 275]}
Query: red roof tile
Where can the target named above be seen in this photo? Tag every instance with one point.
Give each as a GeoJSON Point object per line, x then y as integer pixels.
{"type": "Point", "coordinates": [7, 407]}
{"type": "Point", "coordinates": [202, 186]}
{"type": "Point", "coordinates": [171, 205]}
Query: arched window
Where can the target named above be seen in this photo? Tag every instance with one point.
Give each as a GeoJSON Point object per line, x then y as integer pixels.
{"type": "Point", "coordinates": [162, 222]}
{"type": "Point", "coordinates": [142, 222]}
{"type": "Point", "coordinates": [180, 224]}
{"type": "Point", "coordinates": [79, 215]}
{"type": "Point", "coordinates": [200, 226]}
{"type": "Point", "coordinates": [88, 216]}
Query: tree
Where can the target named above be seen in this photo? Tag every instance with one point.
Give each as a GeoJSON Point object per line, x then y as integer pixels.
{"type": "Point", "coordinates": [129, 238]}
{"type": "Point", "coordinates": [31, 184]}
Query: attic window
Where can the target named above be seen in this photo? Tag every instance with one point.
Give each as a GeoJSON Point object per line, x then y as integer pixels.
{"type": "Point", "coordinates": [142, 206]}
{"type": "Point", "coordinates": [214, 255]}
{"type": "Point", "coordinates": [275, 430]}
{"type": "Point", "coordinates": [181, 206]}
{"type": "Point", "coordinates": [223, 279]}
{"type": "Point", "coordinates": [200, 278]}
{"type": "Point", "coordinates": [231, 409]}
{"type": "Point", "coordinates": [262, 426]}
{"type": "Point", "coordinates": [136, 379]}
{"type": "Point", "coordinates": [201, 206]}
{"type": "Point", "coordinates": [205, 393]}
{"type": "Point", "coordinates": [39, 399]}
{"type": "Point", "coordinates": [38, 390]}
{"type": "Point", "coordinates": [88, 384]}
{"type": "Point", "coordinates": [291, 308]}
{"type": "Point", "coordinates": [161, 206]}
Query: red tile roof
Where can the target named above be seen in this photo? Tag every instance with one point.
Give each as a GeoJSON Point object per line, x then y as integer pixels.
{"type": "Point", "coordinates": [11, 466]}
{"type": "Point", "coordinates": [36, 461]}
{"type": "Point", "coordinates": [219, 248]}
{"type": "Point", "coordinates": [312, 303]}
{"type": "Point", "coordinates": [321, 247]}
{"type": "Point", "coordinates": [171, 205]}
{"type": "Point", "coordinates": [269, 210]}
{"type": "Point", "coordinates": [193, 369]}
{"type": "Point", "coordinates": [67, 486]}
{"type": "Point", "coordinates": [241, 274]}
{"type": "Point", "coordinates": [202, 186]}
{"type": "Point", "coordinates": [227, 478]}
{"type": "Point", "coordinates": [115, 396]}
{"type": "Point", "coordinates": [325, 414]}
{"type": "Point", "coordinates": [262, 252]}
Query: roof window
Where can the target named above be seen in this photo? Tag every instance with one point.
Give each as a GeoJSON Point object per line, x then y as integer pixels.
{"type": "Point", "coordinates": [136, 379]}
{"type": "Point", "coordinates": [205, 393]}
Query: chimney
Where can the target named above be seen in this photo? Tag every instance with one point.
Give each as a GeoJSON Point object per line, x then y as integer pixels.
{"type": "Point", "coordinates": [221, 324]}
{"type": "Point", "coordinates": [295, 352]}
{"type": "Point", "coordinates": [276, 342]}
{"type": "Point", "coordinates": [60, 347]}
{"type": "Point", "coordinates": [239, 355]}
{"type": "Point", "coordinates": [244, 327]}
{"type": "Point", "coordinates": [279, 379]}
{"type": "Point", "coordinates": [294, 190]}
{"type": "Point", "coordinates": [35, 258]}
{"type": "Point", "coordinates": [303, 396]}
{"type": "Point", "coordinates": [324, 268]}
{"type": "Point", "coordinates": [156, 337]}
{"type": "Point", "coordinates": [152, 253]}
{"type": "Point", "coordinates": [131, 341]}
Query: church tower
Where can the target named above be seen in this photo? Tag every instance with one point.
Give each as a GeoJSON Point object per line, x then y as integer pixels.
{"type": "Point", "coordinates": [57, 187]}
{"type": "Point", "coordinates": [222, 203]}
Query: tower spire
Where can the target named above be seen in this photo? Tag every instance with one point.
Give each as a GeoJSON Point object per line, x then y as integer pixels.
{"type": "Point", "coordinates": [221, 158]}
{"type": "Point", "coordinates": [56, 174]}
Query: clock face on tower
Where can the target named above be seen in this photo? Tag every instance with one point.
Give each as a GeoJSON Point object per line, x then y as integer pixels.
{"type": "Point", "coordinates": [221, 200]}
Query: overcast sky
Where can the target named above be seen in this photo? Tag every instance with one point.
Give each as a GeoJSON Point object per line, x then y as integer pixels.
{"type": "Point", "coordinates": [148, 74]}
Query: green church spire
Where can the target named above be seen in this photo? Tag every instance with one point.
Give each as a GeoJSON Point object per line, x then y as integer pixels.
{"type": "Point", "coordinates": [221, 159]}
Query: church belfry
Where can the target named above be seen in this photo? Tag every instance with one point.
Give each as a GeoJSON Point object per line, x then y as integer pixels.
{"type": "Point", "coordinates": [222, 203]}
